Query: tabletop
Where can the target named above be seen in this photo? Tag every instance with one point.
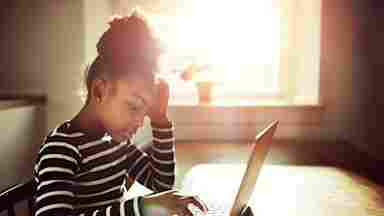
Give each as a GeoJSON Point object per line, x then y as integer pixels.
{"type": "Point", "coordinates": [290, 190]}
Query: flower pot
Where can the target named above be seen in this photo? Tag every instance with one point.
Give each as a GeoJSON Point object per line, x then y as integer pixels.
{"type": "Point", "coordinates": [204, 90]}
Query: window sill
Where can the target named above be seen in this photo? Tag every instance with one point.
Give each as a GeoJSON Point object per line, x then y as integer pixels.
{"type": "Point", "coordinates": [240, 122]}
{"type": "Point", "coordinates": [9, 101]}
{"type": "Point", "coordinates": [261, 112]}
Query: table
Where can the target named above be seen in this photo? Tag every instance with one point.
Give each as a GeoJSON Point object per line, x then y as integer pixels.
{"type": "Point", "coordinates": [291, 190]}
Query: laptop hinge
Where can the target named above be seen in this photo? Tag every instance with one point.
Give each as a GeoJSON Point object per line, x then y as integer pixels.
{"type": "Point", "coordinates": [247, 211]}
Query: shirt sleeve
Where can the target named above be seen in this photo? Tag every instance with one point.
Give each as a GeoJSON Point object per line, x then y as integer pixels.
{"type": "Point", "coordinates": [155, 171]}
{"type": "Point", "coordinates": [131, 207]}
{"type": "Point", "coordinates": [54, 170]}
{"type": "Point", "coordinates": [54, 193]}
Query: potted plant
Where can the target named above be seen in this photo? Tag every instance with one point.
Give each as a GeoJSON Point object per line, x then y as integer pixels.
{"type": "Point", "coordinates": [203, 81]}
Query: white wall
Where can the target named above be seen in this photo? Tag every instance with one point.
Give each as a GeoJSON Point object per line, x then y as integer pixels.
{"type": "Point", "coordinates": [65, 58]}
{"type": "Point", "coordinates": [96, 18]}
{"type": "Point", "coordinates": [82, 23]}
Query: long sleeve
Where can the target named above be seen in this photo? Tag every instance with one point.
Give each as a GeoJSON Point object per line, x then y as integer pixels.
{"type": "Point", "coordinates": [55, 170]}
{"type": "Point", "coordinates": [156, 171]}
{"type": "Point", "coordinates": [163, 155]}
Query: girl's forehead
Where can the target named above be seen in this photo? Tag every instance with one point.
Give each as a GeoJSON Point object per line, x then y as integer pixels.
{"type": "Point", "coordinates": [139, 88]}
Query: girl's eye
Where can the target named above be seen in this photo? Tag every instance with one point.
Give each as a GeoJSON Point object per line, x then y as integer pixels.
{"type": "Point", "coordinates": [134, 108]}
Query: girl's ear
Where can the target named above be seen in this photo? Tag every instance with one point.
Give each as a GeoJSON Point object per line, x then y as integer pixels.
{"type": "Point", "coordinates": [99, 90]}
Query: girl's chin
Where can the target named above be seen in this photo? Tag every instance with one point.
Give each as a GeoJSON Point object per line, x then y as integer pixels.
{"type": "Point", "coordinates": [122, 137]}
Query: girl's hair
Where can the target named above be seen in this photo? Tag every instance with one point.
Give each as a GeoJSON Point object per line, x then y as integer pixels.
{"type": "Point", "coordinates": [128, 39]}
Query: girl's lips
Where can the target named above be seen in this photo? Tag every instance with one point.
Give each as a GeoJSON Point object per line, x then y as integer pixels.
{"type": "Point", "coordinates": [125, 136]}
{"type": "Point", "coordinates": [128, 133]}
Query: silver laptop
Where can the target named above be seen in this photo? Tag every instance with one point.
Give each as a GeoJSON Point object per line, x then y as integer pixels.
{"type": "Point", "coordinates": [259, 151]}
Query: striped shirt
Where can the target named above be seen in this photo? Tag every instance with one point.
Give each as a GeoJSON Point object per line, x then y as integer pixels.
{"type": "Point", "coordinates": [79, 174]}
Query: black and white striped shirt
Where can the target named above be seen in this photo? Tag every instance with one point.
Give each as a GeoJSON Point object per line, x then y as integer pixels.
{"type": "Point", "coordinates": [79, 174]}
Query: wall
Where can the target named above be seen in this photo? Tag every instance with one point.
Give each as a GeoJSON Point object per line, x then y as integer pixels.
{"type": "Point", "coordinates": [351, 68]}
{"type": "Point", "coordinates": [65, 58]}
{"type": "Point", "coordinates": [18, 150]}
{"type": "Point", "coordinates": [336, 66]}
{"type": "Point", "coordinates": [366, 77]}
{"type": "Point", "coordinates": [23, 60]}
{"type": "Point", "coordinates": [44, 50]}
{"type": "Point", "coordinates": [81, 24]}
{"type": "Point", "coordinates": [96, 17]}
{"type": "Point", "coordinates": [47, 45]}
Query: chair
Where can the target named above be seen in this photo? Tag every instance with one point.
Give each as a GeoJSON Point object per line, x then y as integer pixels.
{"type": "Point", "coordinates": [20, 192]}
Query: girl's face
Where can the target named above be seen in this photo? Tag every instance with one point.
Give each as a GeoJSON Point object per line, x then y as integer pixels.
{"type": "Point", "coordinates": [125, 105]}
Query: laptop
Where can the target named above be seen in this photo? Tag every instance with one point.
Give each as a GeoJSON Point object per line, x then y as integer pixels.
{"type": "Point", "coordinates": [259, 151]}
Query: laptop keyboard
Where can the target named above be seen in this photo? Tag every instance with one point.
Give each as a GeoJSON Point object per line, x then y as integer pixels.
{"type": "Point", "coordinates": [214, 209]}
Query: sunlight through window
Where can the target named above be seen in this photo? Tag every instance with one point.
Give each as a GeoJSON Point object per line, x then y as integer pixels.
{"type": "Point", "coordinates": [238, 41]}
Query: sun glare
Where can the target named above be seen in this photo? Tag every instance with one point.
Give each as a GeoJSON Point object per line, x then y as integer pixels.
{"type": "Point", "coordinates": [239, 40]}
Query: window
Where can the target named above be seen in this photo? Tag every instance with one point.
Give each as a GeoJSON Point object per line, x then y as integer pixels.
{"type": "Point", "coordinates": [267, 49]}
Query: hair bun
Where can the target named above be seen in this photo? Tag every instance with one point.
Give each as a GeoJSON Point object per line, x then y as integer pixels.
{"type": "Point", "coordinates": [114, 19]}
{"type": "Point", "coordinates": [126, 37]}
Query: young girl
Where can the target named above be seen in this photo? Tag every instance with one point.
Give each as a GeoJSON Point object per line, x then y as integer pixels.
{"type": "Point", "coordinates": [84, 164]}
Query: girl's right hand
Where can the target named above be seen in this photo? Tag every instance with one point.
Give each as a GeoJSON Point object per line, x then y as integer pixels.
{"type": "Point", "coordinates": [170, 203]}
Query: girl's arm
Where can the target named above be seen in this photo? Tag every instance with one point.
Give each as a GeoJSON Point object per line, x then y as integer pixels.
{"type": "Point", "coordinates": [156, 171]}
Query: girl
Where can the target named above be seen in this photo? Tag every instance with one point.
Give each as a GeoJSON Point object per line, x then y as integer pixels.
{"type": "Point", "coordinates": [84, 164]}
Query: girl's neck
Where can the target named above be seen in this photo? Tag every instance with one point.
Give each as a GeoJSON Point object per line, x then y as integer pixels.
{"type": "Point", "coordinates": [87, 122]}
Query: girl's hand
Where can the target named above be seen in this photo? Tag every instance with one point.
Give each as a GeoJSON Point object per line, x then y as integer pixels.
{"type": "Point", "coordinates": [170, 203]}
{"type": "Point", "coordinates": [158, 111]}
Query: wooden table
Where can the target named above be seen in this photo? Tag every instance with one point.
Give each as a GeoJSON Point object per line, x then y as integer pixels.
{"type": "Point", "coordinates": [291, 190]}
